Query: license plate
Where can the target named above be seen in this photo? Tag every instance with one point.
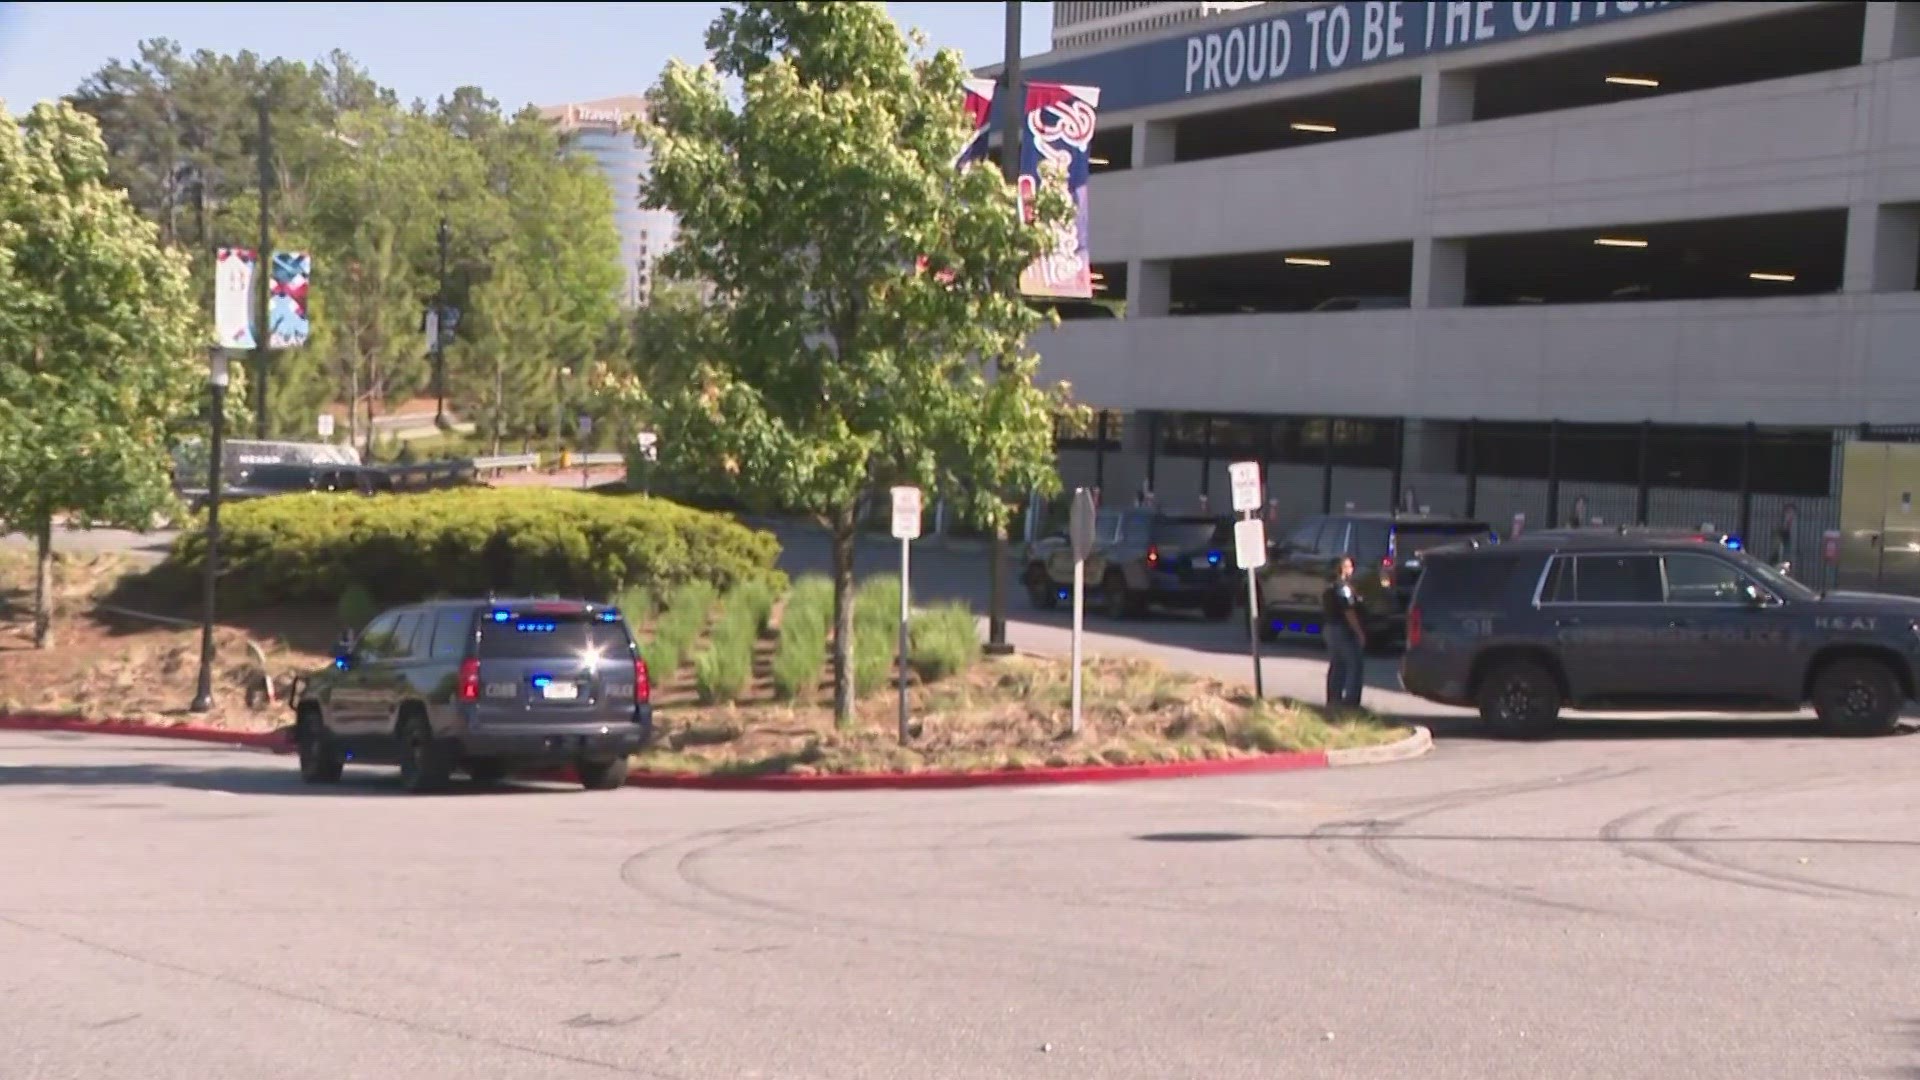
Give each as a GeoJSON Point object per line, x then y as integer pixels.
{"type": "Point", "coordinates": [560, 691]}
{"type": "Point", "coordinates": [1200, 562]}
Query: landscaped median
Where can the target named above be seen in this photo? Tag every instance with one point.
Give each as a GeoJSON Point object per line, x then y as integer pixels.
{"type": "Point", "coordinates": [741, 686]}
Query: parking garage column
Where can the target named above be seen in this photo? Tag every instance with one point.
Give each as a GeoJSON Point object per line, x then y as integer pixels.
{"type": "Point", "coordinates": [1892, 32]}
{"type": "Point", "coordinates": [1439, 272]}
{"type": "Point", "coordinates": [1149, 288]}
{"type": "Point", "coordinates": [1446, 97]}
{"type": "Point", "coordinates": [1883, 249]}
{"type": "Point", "coordinates": [1153, 143]}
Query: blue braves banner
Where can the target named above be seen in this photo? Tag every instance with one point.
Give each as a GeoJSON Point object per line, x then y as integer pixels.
{"type": "Point", "coordinates": [1256, 51]}
{"type": "Point", "coordinates": [287, 322]}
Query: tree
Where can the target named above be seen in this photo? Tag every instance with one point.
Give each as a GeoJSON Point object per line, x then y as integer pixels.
{"type": "Point", "coordinates": [863, 292]}
{"type": "Point", "coordinates": [100, 341]}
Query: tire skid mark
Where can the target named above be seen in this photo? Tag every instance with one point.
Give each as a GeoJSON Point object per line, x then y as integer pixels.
{"type": "Point", "coordinates": [1374, 836]}
{"type": "Point", "coordinates": [268, 990]}
{"type": "Point", "coordinates": [1669, 833]}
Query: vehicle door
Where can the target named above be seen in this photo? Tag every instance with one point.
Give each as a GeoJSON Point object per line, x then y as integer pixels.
{"type": "Point", "coordinates": [1291, 564]}
{"type": "Point", "coordinates": [450, 640]}
{"type": "Point", "coordinates": [1608, 621]}
{"type": "Point", "coordinates": [382, 672]}
{"type": "Point", "coordinates": [1371, 545]}
{"type": "Point", "coordinates": [1059, 557]}
{"type": "Point", "coordinates": [1724, 647]}
{"type": "Point", "coordinates": [350, 704]}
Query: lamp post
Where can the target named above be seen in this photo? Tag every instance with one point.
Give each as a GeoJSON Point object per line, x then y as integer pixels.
{"type": "Point", "coordinates": [217, 382]}
{"type": "Point", "coordinates": [440, 328]}
{"type": "Point", "coordinates": [1012, 114]}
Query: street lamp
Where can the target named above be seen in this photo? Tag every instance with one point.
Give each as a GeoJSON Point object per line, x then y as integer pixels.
{"type": "Point", "coordinates": [1013, 116]}
{"type": "Point", "coordinates": [217, 382]}
{"type": "Point", "coordinates": [440, 328]}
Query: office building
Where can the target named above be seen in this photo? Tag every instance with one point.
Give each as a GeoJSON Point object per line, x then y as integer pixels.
{"type": "Point", "coordinates": [603, 129]}
{"type": "Point", "coordinates": [1090, 22]}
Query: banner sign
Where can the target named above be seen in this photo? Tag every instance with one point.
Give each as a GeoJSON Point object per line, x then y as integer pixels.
{"type": "Point", "coordinates": [1261, 49]}
{"type": "Point", "coordinates": [980, 110]}
{"type": "Point", "coordinates": [1053, 150]}
{"type": "Point", "coordinates": [287, 325]}
{"type": "Point", "coordinates": [233, 298]}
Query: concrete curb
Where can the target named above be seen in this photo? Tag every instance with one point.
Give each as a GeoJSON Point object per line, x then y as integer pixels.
{"type": "Point", "coordinates": [1413, 746]}
{"type": "Point", "coordinates": [1418, 744]}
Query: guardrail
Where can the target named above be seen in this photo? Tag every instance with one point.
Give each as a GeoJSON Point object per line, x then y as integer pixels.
{"type": "Point", "coordinates": [588, 461]}
{"type": "Point", "coordinates": [503, 462]}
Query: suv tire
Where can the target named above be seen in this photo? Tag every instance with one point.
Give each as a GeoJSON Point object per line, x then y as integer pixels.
{"type": "Point", "coordinates": [320, 760]}
{"type": "Point", "coordinates": [1519, 699]}
{"type": "Point", "coordinates": [425, 764]}
{"type": "Point", "coordinates": [486, 770]}
{"type": "Point", "coordinates": [1115, 598]}
{"type": "Point", "coordinates": [602, 775]}
{"type": "Point", "coordinates": [1040, 589]}
{"type": "Point", "coordinates": [1858, 697]}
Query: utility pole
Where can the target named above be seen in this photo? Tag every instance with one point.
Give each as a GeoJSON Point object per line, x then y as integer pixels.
{"type": "Point", "coordinates": [440, 334]}
{"type": "Point", "coordinates": [263, 308]}
{"type": "Point", "coordinates": [1012, 118]}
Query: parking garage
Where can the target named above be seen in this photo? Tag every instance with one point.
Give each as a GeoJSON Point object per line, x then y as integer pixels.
{"type": "Point", "coordinates": [1343, 279]}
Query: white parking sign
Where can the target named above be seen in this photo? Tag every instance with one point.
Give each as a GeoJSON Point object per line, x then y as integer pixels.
{"type": "Point", "coordinates": [906, 513]}
{"type": "Point", "coordinates": [1245, 478]}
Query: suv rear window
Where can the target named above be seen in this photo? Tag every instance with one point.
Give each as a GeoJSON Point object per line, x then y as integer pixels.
{"type": "Point", "coordinates": [1191, 532]}
{"type": "Point", "coordinates": [532, 635]}
{"type": "Point", "coordinates": [1459, 581]}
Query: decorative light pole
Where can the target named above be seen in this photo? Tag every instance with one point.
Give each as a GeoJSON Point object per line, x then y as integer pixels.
{"type": "Point", "coordinates": [217, 382]}
{"type": "Point", "coordinates": [1012, 115]}
{"type": "Point", "coordinates": [440, 327]}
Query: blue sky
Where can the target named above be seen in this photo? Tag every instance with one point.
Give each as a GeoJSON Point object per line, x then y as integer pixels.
{"type": "Point", "coordinates": [517, 52]}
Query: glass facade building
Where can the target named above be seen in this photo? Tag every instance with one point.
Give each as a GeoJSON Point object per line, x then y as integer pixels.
{"type": "Point", "coordinates": [603, 130]}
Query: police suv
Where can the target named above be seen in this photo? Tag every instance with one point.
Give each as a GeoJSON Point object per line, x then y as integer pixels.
{"type": "Point", "coordinates": [1648, 622]}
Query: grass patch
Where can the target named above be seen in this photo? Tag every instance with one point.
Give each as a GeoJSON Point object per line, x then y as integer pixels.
{"type": "Point", "coordinates": [800, 654]}
{"type": "Point", "coordinates": [943, 642]}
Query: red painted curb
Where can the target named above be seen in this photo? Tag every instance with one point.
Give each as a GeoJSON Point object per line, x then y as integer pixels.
{"type": "Point", "coordinates": [257, 740]}
{"type": "Point", "coordinates": [1072, 774]}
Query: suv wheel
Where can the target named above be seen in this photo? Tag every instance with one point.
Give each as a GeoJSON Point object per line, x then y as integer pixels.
{"type": "Point", "coordinates": [1858, 697]}
{"type": "Point", "coordinates": [1519, 699]}
{"type": "Point", "coordinates": [602, 775]}
{"type": "Point", "coordinates": [1040, 589]}
{"type": "Point", "coordinates": [320, 761]}
{"type": "Point", "coordinates": [425, 764]}
{"type": "Point", "coordinates": [487, 770]}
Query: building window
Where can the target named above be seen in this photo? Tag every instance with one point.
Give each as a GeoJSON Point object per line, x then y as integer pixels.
{"type": "Point", "coordinates": [1085, 432]}
{"type": "Point", "coordinates": [1184, 434]}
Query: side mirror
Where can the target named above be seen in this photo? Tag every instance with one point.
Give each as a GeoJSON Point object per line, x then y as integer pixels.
{"type": "Point", "coordinates": [343, 650]}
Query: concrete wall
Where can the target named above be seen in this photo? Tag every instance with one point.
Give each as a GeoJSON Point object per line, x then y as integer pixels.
{"type": "Point", "coordinates": [1818, 360]}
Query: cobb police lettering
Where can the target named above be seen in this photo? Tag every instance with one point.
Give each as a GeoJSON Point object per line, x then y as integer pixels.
{"type": "Point", "coordinates": [1332, 37]}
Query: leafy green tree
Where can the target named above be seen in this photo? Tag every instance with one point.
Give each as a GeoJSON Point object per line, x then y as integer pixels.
{"type": "Point", "coordinates": [865, 326]}
{"type": "Point", "coordinates": [100, 341]}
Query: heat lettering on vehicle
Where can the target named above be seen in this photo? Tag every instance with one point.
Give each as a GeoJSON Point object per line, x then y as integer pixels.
{"type": "Point", "coordinates": [1845, 622]}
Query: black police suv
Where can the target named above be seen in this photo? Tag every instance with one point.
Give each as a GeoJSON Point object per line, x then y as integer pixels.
{"type": "Point", "coordinates": [1650, 623]}
{"type": "Point", "coordinates": [1141, 557]}
{"type": "Point", "coordinates": [481, 686]}
{"type": "Point", "coordinates": [1386, 550]}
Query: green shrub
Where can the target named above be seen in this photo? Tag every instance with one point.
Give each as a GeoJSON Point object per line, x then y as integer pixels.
{"type": "Point", "coordinates": [800, 655]}
{"type": "Point", "coordinates": [636, 605]}
{"type": "Point", "coordinates": [356, 607]}
{"type": "Point", "coordinates": [943, 642]}
{"type": "Point", "coordinates": [876, 632]}
{"type": "Point", "coordinates": [471, 541]}
{"type": "Point", "coordinates": [720, 673]}
{"type": "Point", "coordinates": [678, 627]}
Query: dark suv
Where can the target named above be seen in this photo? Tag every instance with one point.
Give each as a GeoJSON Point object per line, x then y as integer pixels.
{"type": "Point", "coordinates": [482, 686]}
{"type": "Point", "coordinates": [1142, 557]}
{"type": "Point", "coordinates": [1646, 623]}
{"type": "Point", "coordinates": [1386, 550]}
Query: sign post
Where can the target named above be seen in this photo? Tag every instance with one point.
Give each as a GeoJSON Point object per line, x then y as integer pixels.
{"type": "Point", "coordinates": [1080, 536]}
{"type": "Point", "coordinates": [1250, 554]}
{"type": "Point", "coordinates": [906, 527]}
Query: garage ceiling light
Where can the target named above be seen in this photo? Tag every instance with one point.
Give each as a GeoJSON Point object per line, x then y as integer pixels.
{"type": "Point", "coordinates": [1318, 129]}
{"type": "Point", "coordinates": [1098, 161]}
{"type": "Point", "coordinates": [1306, 260]}
{"type": "Point", "coordinates": [1633, 80]}
{"type": "Point", "coordinates": [1619, 242]}
{"type": "Point", "coordinates": [1765, 275]}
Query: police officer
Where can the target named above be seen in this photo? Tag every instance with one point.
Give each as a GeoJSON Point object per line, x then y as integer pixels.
{"type": "Point", "coordinates": [1346, 639]}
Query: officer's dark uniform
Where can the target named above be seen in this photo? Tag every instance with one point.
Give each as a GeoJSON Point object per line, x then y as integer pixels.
{"type": "Point", "coordinates": [1345, 659]}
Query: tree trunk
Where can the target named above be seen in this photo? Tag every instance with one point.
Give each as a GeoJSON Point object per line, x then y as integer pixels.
{"type": "Point", "coordinates": [43, 585]}
{"type": "Point", "coordinates": [843, 537]}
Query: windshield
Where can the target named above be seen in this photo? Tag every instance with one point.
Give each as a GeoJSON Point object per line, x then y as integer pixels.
{"type": "Point", "coordinates": [540, 636]}
{"type": "Point", "coordinates": [1414, 539]}
{"type": "Point", "coordinates": [1783, 586]}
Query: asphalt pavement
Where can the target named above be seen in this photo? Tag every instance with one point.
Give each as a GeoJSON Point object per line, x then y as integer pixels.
{"type": "Point", "coordinates": [1732, 907]}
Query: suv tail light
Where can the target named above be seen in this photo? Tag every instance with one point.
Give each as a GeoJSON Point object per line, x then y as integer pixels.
{"type": "Point", "coordinates": [642, 682]}
{"type": "Point", "coordinates": [468, 686]}
{"type": "Point", "coordinates": [1413, 627]}
{"type": "Point", "coordinates": [1386, 570]}
{"type": "Point", "coordinates": [1153, 555]}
